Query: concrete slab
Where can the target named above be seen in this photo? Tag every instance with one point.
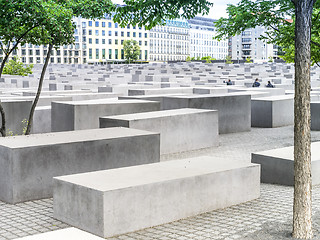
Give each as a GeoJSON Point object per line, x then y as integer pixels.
{"type": "Point", "coordinates": [277, 165]}
{"type": "Point", "coordinates": [109, 203]}
{"type": "Point", "coordinates": [28, 163]}
{"type": "Point", "coordinates": [180, 130]}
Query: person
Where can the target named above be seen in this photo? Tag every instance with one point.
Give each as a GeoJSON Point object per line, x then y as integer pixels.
{"type": "Point", "coordinates": [229, 82]}
{"type": "Point", "coordinates": [256, 83]}
{"type": "Point", "coordinates": [270, 84]}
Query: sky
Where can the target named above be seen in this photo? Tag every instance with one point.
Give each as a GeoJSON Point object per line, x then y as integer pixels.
{"type": "Point", "coordinates": [218, 10]}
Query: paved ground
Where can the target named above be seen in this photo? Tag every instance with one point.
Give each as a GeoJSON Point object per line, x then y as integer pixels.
{"type": "Point", "coordinates": [268, 217]}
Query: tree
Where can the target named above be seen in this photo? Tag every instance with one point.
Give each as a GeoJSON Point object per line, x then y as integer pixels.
{"type": "Point", "coordinates": [16, 67]}
{"type": "Point", "coordinates": [296, 36]}
{"type": "Point", "coordinates": [131, 50]}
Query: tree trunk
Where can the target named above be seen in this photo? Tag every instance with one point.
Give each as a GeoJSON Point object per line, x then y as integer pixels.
{"type": "Point", "coordinates": [3, 115]}
{"type": "Point", "coordinates": [39, 90]}
{"type": "Point", "coordinates": [302, 212]}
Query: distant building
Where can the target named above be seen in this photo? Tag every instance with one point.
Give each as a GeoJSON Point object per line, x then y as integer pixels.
{"type": "Point", "coordinates": [248, 44]}
{"type": "Point", "coordinates": [202, 31]}
{"type": "Point", "coordinates": [170, 42]}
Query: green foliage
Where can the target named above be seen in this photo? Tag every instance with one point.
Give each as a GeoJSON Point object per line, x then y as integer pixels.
{"type": "Point", "coordinates": [198, 58]}
{"type": "Point", "coordinates": [248, 60]}
{"type": "Point", "coordinates": [228, 60]}
{"type": "Point", "coordinates": [16, 67]}
{"type": "Point", "coordinates": [131, 50]}
{"type": "Point", "coordinates": [24, 123]}
{"type": "Point", "coordinates": [272, 15]}
{"type": "Point", "coordinates": [188, 59]}
{"type": "Point", "coordinates": [193, 58]}
{"type": "Point", "coordinates": [270, 59]}
{"type": "Point", "coordinates": [150, 13]}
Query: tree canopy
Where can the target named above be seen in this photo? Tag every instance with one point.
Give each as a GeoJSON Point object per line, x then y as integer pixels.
{"type": "Point", "coordinates": [277, 16]}
{"type": "Point", "coordinates": [131, 50]}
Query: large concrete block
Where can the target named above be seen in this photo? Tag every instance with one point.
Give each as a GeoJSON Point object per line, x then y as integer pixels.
{"type": "Point", "coordinates": [315, 116]}
{"type": "Point", "coordinates": [234, 110]}
{"type": "Point", "coordinates": [180, 130]}
{"type": "Point", "coordinates": [41, 120]}
{"type": "Point", "coordinates": [119, 201]}
{"type": "Point", "coordinates": [277, 165]}
{"type": "Point", "coordinates": [274, 111]}
{"type": "Point", "coordinates": [16, 112]}
{"type": "Point", "coordinates": [78, 115]}
{"type": "Point", "coordinates": [28, 163]}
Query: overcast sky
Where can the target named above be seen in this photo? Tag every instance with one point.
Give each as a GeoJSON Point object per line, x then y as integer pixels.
{"type": "Point", "coordinates": [218, 10]}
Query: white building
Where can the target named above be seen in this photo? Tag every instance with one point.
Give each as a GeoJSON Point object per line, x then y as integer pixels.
{"type": "Point", "coordinates": [170, 42]}
{"type": "Point", "coordinates": [202, 44]}
{"type": "Point", "coordinates": [248, 45]}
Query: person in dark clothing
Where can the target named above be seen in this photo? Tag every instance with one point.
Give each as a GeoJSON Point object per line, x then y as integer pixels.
{"type": "Point", "coordinates": [270, 84]}
{"type": "Point", "coordinates": [229, 82]}
{"type": "Point", "coordinates": [256, 83]}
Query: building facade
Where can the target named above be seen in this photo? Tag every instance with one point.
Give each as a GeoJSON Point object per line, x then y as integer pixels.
{"type": "Point", "coordinates": [202, 44]}
{"type": "Point", "coordinates": [249, 45]}
{"type": "Point", "coordinates": [170, 42]}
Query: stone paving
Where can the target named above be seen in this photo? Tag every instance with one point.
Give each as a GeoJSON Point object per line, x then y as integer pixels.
{"type": "Point", "coordinates": [268, 217]}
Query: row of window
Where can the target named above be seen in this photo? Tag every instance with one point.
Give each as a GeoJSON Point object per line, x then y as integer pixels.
{"type": "Point", "coordinates": [104, 24]}
{"type": "Point", "coordinates": [103, 33]}
{"type": "Point", "coordinates": [169, 36]}
{"type": "Point", "coordinates": [103, 54]}
{"type": "Point", "coordinates": [116, 41]}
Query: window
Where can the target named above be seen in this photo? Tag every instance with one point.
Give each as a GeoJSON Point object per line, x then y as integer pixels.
{"type": "Point", "coordinates": [121, 42]}
{"type": "Point", "coordinates": [103, 33]}
{"type": "Point", "coordinates": [115, 25]}
{"type": "Point", "coordinates": [103, 24]}
{"type": "Point", "coordinates": [23, 59]}
{"type": "Point", "coordinates": [97, 32]}
{"type": "Point", "coordinates": [84, 32]}
{"type": "Point", "coordinates": [84, 53]}
{"type": "Point", "coordinates": [52, 60]}
{"type": "Point", "coordinates": [140, 35]}
{"type": "Point", "coordinates": [146, 43]}
{"type": "Point", "coordinates": [103, 54]}
{"type": "Point", "coordinates": [140, 43]}
{"type": "Point", "coordinates": [65, 60]}
{"type": "Point", "coordinates": [122, 54]}
{"type": "Point", "coordinates": [90, 23]}
{"type": "Point", "coordinates": [70, 53]}
{"type": "Point", "coordinates": [134, 34]}
{"type": "Point", "coordinates": [97, 40]}
{"type": "Point", "coordinates": [109, 33]}
{"type": "Point", "coordinates": [146, 54]}
{"type": "Point", "coordinates": [23, 52]}
{"type": "Point", "coordinates": [90, 53]}
{"type": "Point", "coordinates": [90, 32]}
{"type": "Point", "coordinates": [58, 52]}
{"type": "Point", "coordinates": [110, 53]}
{"type": "Point", "coordinates": [90, 40]}
{"type": "Point", "coordinates": [128, 26]}
{"type": "Point", "coordinates": [146, 35]}
{"type": "Point", "coordinates": [65, 52]}
{"type": "Point", "coordinates": [116, 53]}
{"type": "Point", "coordinates": [30, 59]}
{"type": "Point", "coordinates": [30, 52]}
{"type": "Point", "coordinates": [116, 33]}
{"type": "Point", "coordinates": [84, 39]}
{"type": "Point", "coordinates": [84, 24]}
{"type": "Point", "coordinates": [58, 60]}
{"type": "Point", "coordinates": [128, 34]}
{"type": "Point", "coordinates": [122, 34]}
{"type": "Point", "coordinates": [44, 52]}
{"type": "Point", "coordinates": [109, 41]}
{"type": "Point", "coordinates": [116, 41]}
{"type": "Point", "coordinates": [97, 23]}
{"type": "Point", "coordinates": [76, 31]}
{"type": "Point", "coordinates": [109, 24]}
{"type": "Point", "coordinates": [97, 53]}
{"type": "Point", "coordinates": [103, 41]}
{"type": "Point", "coordinates": [76, 38]}
{"type": "Point", "coordinates": [37, 52]}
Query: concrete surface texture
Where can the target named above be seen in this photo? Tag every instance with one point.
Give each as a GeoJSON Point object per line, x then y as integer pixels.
{"type": "Point", "coordinates": [274, 111]}
{"type": "Point", "coordinates": [63, 234]}
{"type": "Point", "coordinates": [79, 115]}
{"type": "Point", "coordinates": [180, 130]}
{"type": "Point", "coordinates": [315, 115]}
{"type": "Point", "coordinates": [113, 202]}
{"type": "Point", "coordinates": [277, 165]}
{"type": "Point", "coordinates": [28, 163]}
{"type": "Point", "coordinates": [234, 110]}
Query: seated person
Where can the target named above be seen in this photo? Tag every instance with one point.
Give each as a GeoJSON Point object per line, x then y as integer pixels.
{"type": "Point", "coordinates": [256, 83]}
{"type": "Point", "coordinates": [270, 85]}
{"type": "Point", "coordinates": [229, 82]}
